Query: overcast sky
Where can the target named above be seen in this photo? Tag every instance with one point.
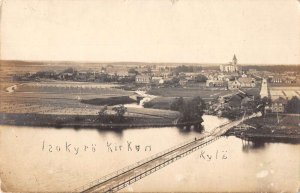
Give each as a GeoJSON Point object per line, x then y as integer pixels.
{"type": "Point", "coordinates": [257, 31]}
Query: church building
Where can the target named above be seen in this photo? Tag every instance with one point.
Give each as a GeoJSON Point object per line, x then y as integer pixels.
{"type": "Point", "coordinates": [231, 67]}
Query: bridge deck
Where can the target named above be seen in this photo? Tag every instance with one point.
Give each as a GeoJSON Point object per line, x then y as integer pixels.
{"type": "Point", "coordinates": [131, 174]}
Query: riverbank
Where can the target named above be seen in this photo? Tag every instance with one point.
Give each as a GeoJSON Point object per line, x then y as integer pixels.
{"type": "Point", "coordinates": [270, 127]}
{"type": "Point", "coordinates": [90, 121]}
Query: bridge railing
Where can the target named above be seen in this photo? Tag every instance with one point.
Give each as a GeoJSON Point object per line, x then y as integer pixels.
{"type": "Point", "coordinates": [129, 179]}
{"type": "Point", "coordinates": [139, 163]}
{"type": "Point", "coordinates": [130, 167]}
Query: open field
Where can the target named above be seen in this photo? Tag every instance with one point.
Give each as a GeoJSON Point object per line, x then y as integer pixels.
{"type": "Point", "coordinates": [206, 94]}
{"type": "Point", "coordinates": [155, 112]}
{"type": "Point", "coordinates": [72, 87]}
{"type": "Point", "coordinates": [160, 103]}
{"type": "Point", "coordinates": [273, 84]}
{"type": "Point", "coordinates": [285, 92]}
{"type": "Point", "coordinates": [43, 104]}
{"type": "Point", "coordinates": [52, 105]}
{"type": "Point", "coordinates": [65, 90]}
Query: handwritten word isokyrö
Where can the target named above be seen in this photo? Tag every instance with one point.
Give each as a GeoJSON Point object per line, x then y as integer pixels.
{"type": "Point", "coordinates": [128, 147]}
{"type": "Point", "coordinates": [68, 147]}
{"type": "Point", "coordinates": [218, 155]}
{"type": "Point", "coordinates": [111, 147]}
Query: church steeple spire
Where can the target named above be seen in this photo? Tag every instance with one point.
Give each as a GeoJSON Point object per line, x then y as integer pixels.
{"type": "Point", "coordinates": [234, 60]}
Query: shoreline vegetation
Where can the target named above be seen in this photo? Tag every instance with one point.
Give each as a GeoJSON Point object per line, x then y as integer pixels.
{"type": "Point", "coordinates": [271, 127]}
{"type": "Point", "coordinates": [88, 121]}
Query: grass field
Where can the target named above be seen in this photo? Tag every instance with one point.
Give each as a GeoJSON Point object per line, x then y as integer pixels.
{"type": "Point", "coordinates": [154, 113]}
{"type": "Point", "coordinates": [285, 92]}
{"type": "Point", "coordinates": [189, 92]}
{"type": "Point", "coordinates": [60, 87]}
{"type": "Point", "coordinates": [48, 102]}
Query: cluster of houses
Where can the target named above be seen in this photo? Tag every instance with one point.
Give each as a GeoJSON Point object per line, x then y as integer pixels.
{"type": "Point", "coordinates": [278, 105]}
{"type": "Point", "coordinates": [278, 98]}
{"type": "Point", "coordinates": [160, 75]}
{"type": "Point", "coordinates": [231, 77]}
{"type": "Point", "coordinates": [285, 78]}
{"type": "Point", "coordinates": [154, 76]}
{"type": "Point", "coordinates": [234, 103]}
{"type": "Point", "coordinates": [183, 78]}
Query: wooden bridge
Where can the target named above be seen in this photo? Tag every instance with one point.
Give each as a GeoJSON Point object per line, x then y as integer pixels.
{"type": "Point", "coordinates": [120, 179]}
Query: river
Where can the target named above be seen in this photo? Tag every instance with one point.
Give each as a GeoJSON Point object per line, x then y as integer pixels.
{"type": "Point", "coordinates": [48, 159]}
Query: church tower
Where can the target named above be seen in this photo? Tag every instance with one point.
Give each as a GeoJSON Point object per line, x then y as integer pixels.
{"type": "Point", "coordinates": [234, 63]}
{"type": "Point", "coordinates": [234, 60]}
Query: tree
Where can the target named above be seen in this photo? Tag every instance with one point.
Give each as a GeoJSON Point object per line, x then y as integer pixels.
{"type": "Point", "coordinates": [191, 110]}
{"type": "Point", "coordinates": [133, 71]}
{"type": "Point", "coordinates": [200, 78]}
{"type": "Point", "coordinates": [177, 104]}
{"type": "Point", "coordinates": [120, 111]}
{"type": "Point", "coordinates": [102, 114]}
{"type": "Point", "coordinates": [199, 105]}
{"type": "Point", "coordinates": [69, 70]}
{"type": "Point", "coordinates": [293, 105]}
{"type": "Point", "coordinates": [265, 102]}
{"type": "Point", "coordinates": [175, 80]}
{"type": "Point", "coordinates": [183, 68]}
{"type": "Point", "coordinates": [194, 109]}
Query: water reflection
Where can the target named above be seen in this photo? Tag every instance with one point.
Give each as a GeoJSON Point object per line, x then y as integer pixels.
{"type": "Point", "coordinates": [62, 171]}
{"type": "Point", "coordinates": [120, 132]}
{"type": "Point", "coordinates": [263, 142]}
{"type": "Point", "coordinates": [117, 132]}
{"type": "Point", "coordinates": [193, 128]}
{"type": "Point", "coordinates": [252, 145]}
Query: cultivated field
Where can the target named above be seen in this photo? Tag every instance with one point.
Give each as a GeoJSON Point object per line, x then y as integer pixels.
{"type": "Point", "coordinates": [64, 99]}
{"type": "Point", "coordinates": [204, 93]}
{"type": "Point", "coordinates": [285, 92]}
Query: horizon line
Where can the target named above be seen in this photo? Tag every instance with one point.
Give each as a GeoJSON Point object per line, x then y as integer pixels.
{"type": "Point", "coordinates": [112, 62]}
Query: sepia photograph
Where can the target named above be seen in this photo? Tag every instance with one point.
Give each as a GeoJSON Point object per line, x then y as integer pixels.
{"type": "Point", "coordinates": [149, 96]}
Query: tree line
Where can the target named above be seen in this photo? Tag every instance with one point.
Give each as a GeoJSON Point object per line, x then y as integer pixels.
{"type": "Point", "coordinates": [191, 110]}
{"type": "Point", "coordinates": [117, 115]}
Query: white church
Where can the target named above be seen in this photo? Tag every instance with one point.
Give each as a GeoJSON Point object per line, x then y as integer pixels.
{"type": "Point", "coordinates": [231, 67]}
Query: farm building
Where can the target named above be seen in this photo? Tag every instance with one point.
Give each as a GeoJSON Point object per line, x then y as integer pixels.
{"type": "Point", "coordinates": [216, 83]}
{"type": "Point", "coordinates": [157, 80]}
{"type": "Point", "coordinates": [143, 79]}
{"type": "Point", "coordinates": [247, 82]}
{"type": "Point", "coordinates": [232, 85]}
{"type": "Point", "coordinates": [278, 105]}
